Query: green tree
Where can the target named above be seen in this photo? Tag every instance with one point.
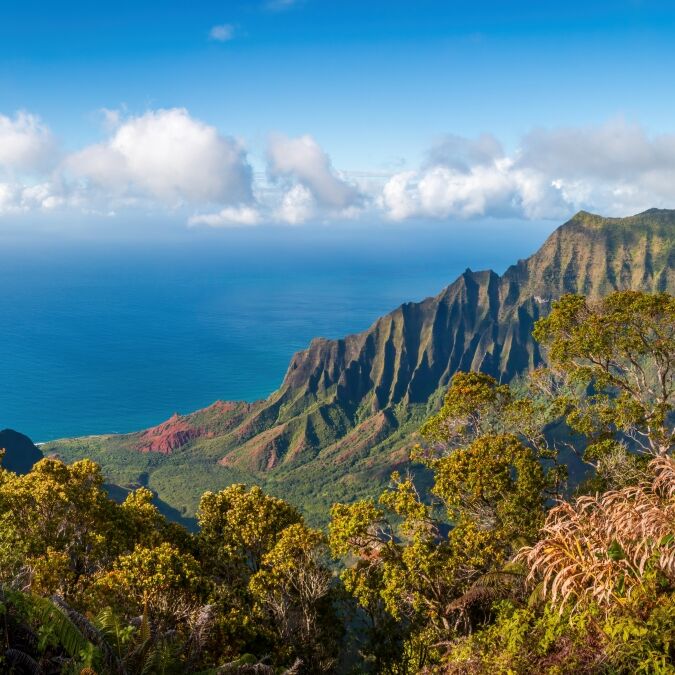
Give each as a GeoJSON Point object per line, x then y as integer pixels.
{"type": "Point", "coordinates": [56, 525]}
{"type": "Point", "coordinates": [408, 560]}
{"type": "Point", "coordinates": [294, 585]}
{"type": "Point", "coordinates": [238, 526]}
{"type": "Point", "coordinates": [271, 584]}
{"type": "Point", "coordinates": [162, 581]}
{"type": "Point", "coordinates": [621, 351]}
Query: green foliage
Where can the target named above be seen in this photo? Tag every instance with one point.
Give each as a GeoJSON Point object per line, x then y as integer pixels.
{"type": "Point", "coordinates": [496, 482]}
{"type": "Point", "coordinates": [483, 572]}
{"type": "Point", "coordinates": [294, 587]}
{"type": "Point", "coordinates": [439, 579]}
{"type": "Point", "coordinates": [240, 525]}
{"type": "Point", "coordinates": [414, 567]}
{"type": "Point", "coordinates": [638, 638]}
{"type": "Point", "coordinates": [473, 406]}
{"type": "Point", "coordinates": [622, 348]}
{"type": "Point", "coordinates": [143, 594]}
{"type": "Point", "coordinates": [45, 635]}
{"type": "Point", "coordinates": [161, 581]}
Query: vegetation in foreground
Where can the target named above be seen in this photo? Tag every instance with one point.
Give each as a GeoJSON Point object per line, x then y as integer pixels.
{"type": "Point", "coordinates": [497, 570]}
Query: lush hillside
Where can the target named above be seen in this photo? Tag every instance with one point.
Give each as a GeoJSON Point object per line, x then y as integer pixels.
{"type": "Point", "coordinates": [344, 414]}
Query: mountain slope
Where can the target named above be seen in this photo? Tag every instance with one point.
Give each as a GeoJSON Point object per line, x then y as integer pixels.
{"type": "Point", "coordinates": [346, 409]}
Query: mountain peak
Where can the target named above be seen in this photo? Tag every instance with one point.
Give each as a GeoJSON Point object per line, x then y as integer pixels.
{"type": "Point", "coordinates": [652, 217]}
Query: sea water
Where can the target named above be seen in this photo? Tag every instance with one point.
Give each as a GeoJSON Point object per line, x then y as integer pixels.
{"type": "Point", "coordinates": [103, 337]}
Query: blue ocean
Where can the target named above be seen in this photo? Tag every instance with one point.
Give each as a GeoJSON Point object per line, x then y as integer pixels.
{"type": "Point", "coordinates": [99, 337]}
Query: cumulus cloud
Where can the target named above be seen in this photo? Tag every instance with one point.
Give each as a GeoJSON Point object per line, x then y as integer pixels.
{"type": "Point", "coordinates": [167, 156]}
{"type": "Point", "coordinates": [10, 198]}
{"type": "Point", "coordinates": [297, 206]}
{"type": "Point", "coordinates": [456, 152]}
{"type": "Point", "coordinates": [230, 216]}
{"type": "Point", "coordinates": [224, 32]}
{"type": "Point", "coordinates": [496, 190]}
{"type": "Point", "coordinates": [19, 198]}
{"type": "Point", "coordinates": [26, 144]}
{"type": "Point", "coordinates": [303, 162]}
{"type": "Point", "coordinates": [615, 168]}
{"type": "Point", "coordinates": [167, 160]}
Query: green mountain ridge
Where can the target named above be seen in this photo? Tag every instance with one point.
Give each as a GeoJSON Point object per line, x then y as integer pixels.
{"type": "Point", "coordinates": [347, 409]}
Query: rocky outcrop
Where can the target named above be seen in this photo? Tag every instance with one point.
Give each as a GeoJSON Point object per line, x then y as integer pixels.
{"type": "Point", "coordinates": [481, 321]}
{"type": "Point", "coordinates": [179, 431]}
{"type": "Point", "coordinates": [20, 452]}
{"type": "Point", "coordinates": [168, 436]}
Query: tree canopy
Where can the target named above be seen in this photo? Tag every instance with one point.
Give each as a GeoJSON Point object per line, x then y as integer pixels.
{"type": "Point", "coordinates": [499, 564]}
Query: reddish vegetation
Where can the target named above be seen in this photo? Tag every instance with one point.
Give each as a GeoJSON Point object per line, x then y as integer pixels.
{"type": "Point", "coordinates": [168, 436]}
{"type": "Point", "coordinates": [177, 431]}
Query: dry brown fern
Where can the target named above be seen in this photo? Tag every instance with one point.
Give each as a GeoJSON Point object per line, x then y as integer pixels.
{"type": "Point", "coordinates": [598, 548]}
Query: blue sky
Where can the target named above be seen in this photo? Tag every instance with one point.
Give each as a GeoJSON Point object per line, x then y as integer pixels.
{"type": "Point", "coordinates": [375, 89]}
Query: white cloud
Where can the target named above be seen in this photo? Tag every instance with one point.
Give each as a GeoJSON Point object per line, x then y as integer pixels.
{"type": "Point", "coordinates": [615, 168]}
{"type": "Point", "coordinates": [456, 152]}
{"type": "Point", "coordinates": [440, 192]}
{"type": "Point", "coordinates": [8, 198]}
{"type": "Point", "coordinates": [26, 144]}
{"type": "Point", "coordinates": [297, 206]}
{"type": "Point", "coordinates": [224, 32]}
{"type": "Point", "coordinates": [302, 161]}
{"type": "Point", "coordinates": [230, 216]}
{"type": "Point", "coordinates": [167, 156]}
{"type": "Point", "coordinates": [167, 160]}
{"type": "Point", "coordinates": [19, 198]}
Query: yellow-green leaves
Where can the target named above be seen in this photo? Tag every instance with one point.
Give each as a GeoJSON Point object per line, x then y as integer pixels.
{"type": "Point", "coordinates": [158, 578]}
{"type": "Point", "coordinates": [471, 407]}
{"type": "Point", "coordinates": [239, 526]}
{"type": "Point", "coordinates": [357, 528]}
{"type": "Point", "coordinates": [623, 349]}
{"type": "Point", "coordinates": [497, 482]}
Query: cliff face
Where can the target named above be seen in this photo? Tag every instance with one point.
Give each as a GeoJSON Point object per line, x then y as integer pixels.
{"type": "Point", "coordinates": [345, 410]}
{"type": "Point", "coordinates": [480, 322]}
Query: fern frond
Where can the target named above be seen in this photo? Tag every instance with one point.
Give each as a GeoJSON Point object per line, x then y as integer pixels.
{"type": "Point", "coordinates": [67, 633]}
{"type": "Point", "coordinates": [110, 625]}
{"type": "Point", "coordinates": [537, 595]}
{"type": "Point", "coordinates": [15, 658]}
{"type": "Point", "coordinates": [92, 634]}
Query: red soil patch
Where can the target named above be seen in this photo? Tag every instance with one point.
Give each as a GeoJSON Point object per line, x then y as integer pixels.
{"type": "Point", "coordinates": [168, 436]}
